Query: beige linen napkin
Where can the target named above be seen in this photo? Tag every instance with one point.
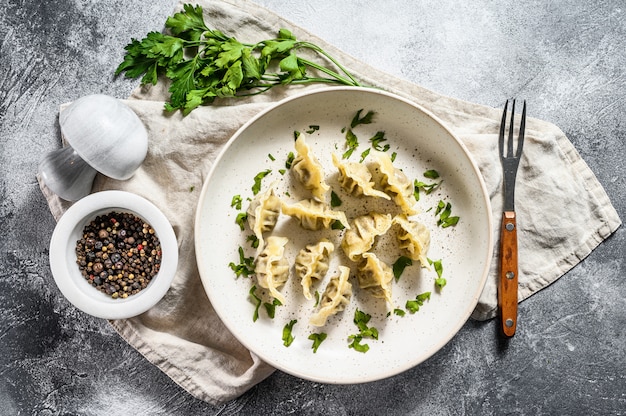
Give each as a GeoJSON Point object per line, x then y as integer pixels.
{"type": "Point", "coordinates": [566, 213]}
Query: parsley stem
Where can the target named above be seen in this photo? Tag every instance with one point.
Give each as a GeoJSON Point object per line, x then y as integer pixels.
{"type": "Point", "coordinates": [321, 51]}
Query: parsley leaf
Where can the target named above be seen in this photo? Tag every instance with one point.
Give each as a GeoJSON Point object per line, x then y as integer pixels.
{"type": "Point", "coordinates": [270, 308]}
{"type": "Point", "coordinates": [256, 188]}
{"type": "Point", "coordinates": [366, 119]}
{"type": "Point", "coordinates": [440, 282]}
{"type": "Point", "coordinates": [245, 267]}
{"type": "Point", "coordinates": [257, 303]}
{"type": "Point", "coordinates": [317, 340]}
{"type": "Point", "coordinates": [335, 201]}
{"type": "Point", "coordinates": [236, 202]}
{"type": "Point", "coordinates": [399, 266]}
{"type": "Point", "coordinates": [377, 139]}
{"type": "Point", "coordinates": [444, 211]}
{"type": "Point", "coordinates": [414, 305]}
{"type": "Point", "coordinates": [352, 142]}
{"type": "Point", "coordinates": [287, 335]}
{"type": "Point", "coordinates": [361, 319]}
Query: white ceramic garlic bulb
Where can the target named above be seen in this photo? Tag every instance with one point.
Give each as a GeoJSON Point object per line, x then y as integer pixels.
{"type": "Point", "coordinates": [106, 134]}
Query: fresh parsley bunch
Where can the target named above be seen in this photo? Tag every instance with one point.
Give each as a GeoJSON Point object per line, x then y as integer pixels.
{"type": "Point", "coordinates": [204, 64]}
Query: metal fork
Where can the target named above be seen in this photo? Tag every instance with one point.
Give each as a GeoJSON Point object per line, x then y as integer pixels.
{"type": "Point", "coordinates": [508, 282]}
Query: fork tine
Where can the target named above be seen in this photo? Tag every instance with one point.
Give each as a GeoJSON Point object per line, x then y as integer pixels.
{"type": "Point", "coordinates": [501, 137]}
{"type": "Point", "coordinates": [509, 145]}
{"type": "Point", "coordinates": [522, 128]}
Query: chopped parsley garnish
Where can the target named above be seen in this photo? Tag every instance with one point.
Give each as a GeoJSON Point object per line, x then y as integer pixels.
{"type": "Point", "coordinates": [399, 312]}
{"type": "Point", "coordinates": [352, 142]}
{"type": "Point", "coordinates": [317, 298]}
{"type": "Point", "coordinates": [440, 282]}
{"type": "Point", "coordinates": [356, 343]}
{"type": "Point", "coordinates": [378, 138]}
{"type": "Point", "coordinates": [257, 180]}
{"type": "Point", "coordinates": [366, 119]}
{"type": "Point", "coordinates": [270, 308]}
{"type": "Point", "coordinates": [399, 266]}
{"type": "Point", "coordinates": [290, 158]}
{"type": "Point", "coordinates": [287, 336]}
{"type": "Point", "coordinates": [431, 174]}
{"type": "Point", "coordinates": [427, 187]}
{"type": "Point", "coordinates": [236, 202]}
{"type": "Point", "coordinates": [312, 129]}
{"type": "Point", "coordinates": [191, 188]}
{"type": "Point", "coordinates": [445, 219]}
{"type": "Point", "coordinates": [254, 240]}
{"type": "Point", "coordinates": [364, 154]}
{"type": "Point", "coordinates": [317, 340]}
{"type": "Point", "coordinates": [272, 158]}
{"type": "Point", "coordinates": [241, 219]}
{"type": "Point", "coordinates": [335, 201]}
{"type": "Point", "coordinates": [337, 225]}
{"type": "Point", "coordinates": [414, 305]}
{"type": "Point", "coordinates": [257, 303]}
{"type": "Point", "coordinates": [245, 267]}
{"type": "Point", "coordinates": [361, 319]}
{"type": "Point", "coordinates": [393, 156]}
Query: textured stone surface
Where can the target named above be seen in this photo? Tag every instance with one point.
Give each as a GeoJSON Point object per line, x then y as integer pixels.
{"type": "Point", "coordinates": [568, 60]}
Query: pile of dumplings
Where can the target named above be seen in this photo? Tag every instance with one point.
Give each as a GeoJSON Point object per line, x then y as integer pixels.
{"type": "Point", "coordinates": [312, 262]}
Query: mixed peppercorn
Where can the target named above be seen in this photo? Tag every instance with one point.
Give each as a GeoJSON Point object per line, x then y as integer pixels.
{"type": "Point", "coordinates": [118, 254]}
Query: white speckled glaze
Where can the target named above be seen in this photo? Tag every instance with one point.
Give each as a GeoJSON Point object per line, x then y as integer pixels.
{"type": "Point", "coordinates": [421, 143]}
{"type": "Point", "coordinates": [106, 133]}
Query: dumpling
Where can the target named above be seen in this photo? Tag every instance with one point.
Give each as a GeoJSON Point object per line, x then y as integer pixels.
{"type": "Point", "coordinates": [396, 184]}
{"type": "Point", "coordinates": [413, 238]}
{"type": "Point", "coordinates": [356, 179]}
{"type": "Point", "coordinates": [314, 215]}
{"type": "Point", "coordinates": [335, 298]}
{"type": "Point", "coordinates": [361, 236]}
{"type": "Point", "coordinates": [263, 214]}
{"type": "Point", "coordinates": [375, 276]}
{"type": "Point", "coordinates": [312, 263]}
{"type": "Point", "coordinates": [308, 170]}
{"type": "Point", "coordinates": [272, 268]}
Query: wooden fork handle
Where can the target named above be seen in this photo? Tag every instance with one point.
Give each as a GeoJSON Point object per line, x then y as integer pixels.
{"type": "Point", "coordinates": [507, 290]}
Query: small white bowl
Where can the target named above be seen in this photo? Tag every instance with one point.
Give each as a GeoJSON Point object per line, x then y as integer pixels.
{"type": "Point", "coordinates": [67, 275]}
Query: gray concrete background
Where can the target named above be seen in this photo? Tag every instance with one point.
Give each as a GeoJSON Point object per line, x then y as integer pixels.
{"type": "Point", "coordinates": [568, 59]}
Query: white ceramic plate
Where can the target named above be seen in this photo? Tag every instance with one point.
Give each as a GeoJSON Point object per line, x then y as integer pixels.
{"type": "Point", "coordinates": [421, 143]}
{"type": "Point", "coordinates": [63, 256]}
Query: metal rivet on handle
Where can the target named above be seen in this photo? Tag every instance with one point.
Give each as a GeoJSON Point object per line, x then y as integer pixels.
{"type": "Point", "coordinates": [508, 323]}
{"type": "Point", "coordinates": [510, 275]}
{"type": "Point", "coordinates": [510, 226]}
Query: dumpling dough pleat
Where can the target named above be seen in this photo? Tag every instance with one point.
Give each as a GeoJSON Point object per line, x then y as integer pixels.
{"type": "Point", "coordinates": [363, 232]}
{"type": "Point", "coordinates": [414, 239]}
{"type": "Point", "coordinates": [335, 298]}
{"type": "Point", "coordinates": [375, 277]}
{"type": "Point", "coordinates": [263, 214]}
{"type": "Point", "coordinates": [396, 184]}
{"type": "Point", "coordinates": [272, 268]}
{"type": "Point", "coordinates": [356, 179]}
{"type": "Point", "coordinates": [312, 263]}
{"type": "Point", "coordinates": [308, 169]}
{"type": "Point", "coordinates": [314, 215]}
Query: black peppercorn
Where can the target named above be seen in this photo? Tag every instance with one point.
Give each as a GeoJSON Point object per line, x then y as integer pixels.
{"type": "Point", "coordinates": [113, 257]}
